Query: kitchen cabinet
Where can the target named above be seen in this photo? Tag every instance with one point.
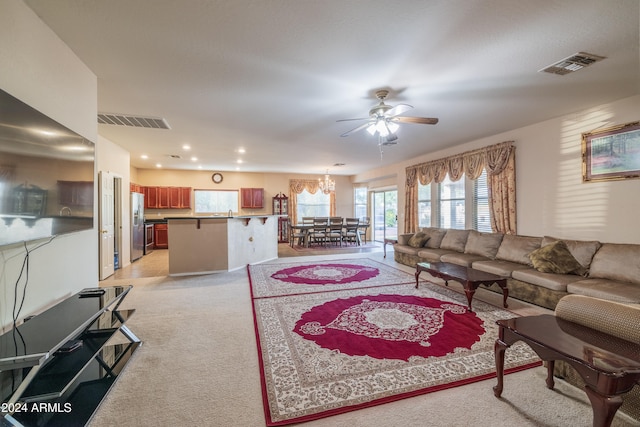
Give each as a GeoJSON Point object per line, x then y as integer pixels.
{"type": "Point", "coordinates": [161, 234]}
{"type": "Point", "coordinates": [180, 197]}
{"type": "Point", "coordinates": [156, 197]}
{"type": "Point", "coordinates": [252, 198]}
{"type": "Point", "coordinates": [150, 197]}
{"type": "Point", "coordinates": [163, 197]}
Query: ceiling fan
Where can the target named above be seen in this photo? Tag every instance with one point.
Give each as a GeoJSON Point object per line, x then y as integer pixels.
{"type": "Point", "coordinates": [383, 120]}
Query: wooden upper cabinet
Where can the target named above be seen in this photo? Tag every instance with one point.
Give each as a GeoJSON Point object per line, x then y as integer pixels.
{"type": "Point", "coordinates": [180, 197]}
{"type": "Point", "coordinates": [163, 197]}
{"type": "Point", "coordinates": [167, 197]}
{"type": "Point", "coordinates": [252, 198]}
{"type": "Point", "coordinates": [150, 197]}
{"type": "Point", "coordinates": [185, 193]}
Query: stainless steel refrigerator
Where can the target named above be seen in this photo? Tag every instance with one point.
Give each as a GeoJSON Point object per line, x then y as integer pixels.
{"type": "Point", "coordinates": [137, 226]}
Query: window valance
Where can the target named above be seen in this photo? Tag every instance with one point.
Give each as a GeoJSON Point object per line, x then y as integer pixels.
{"type": "Point", "coordinates": [471, 163]}
{"type": "Point", "coordinates": [297, 186]}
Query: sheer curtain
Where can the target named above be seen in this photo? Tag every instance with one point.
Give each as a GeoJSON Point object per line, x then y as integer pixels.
{"type": "Point", "coordinates": [297, 186]}
{"type": "Point", "coordinates": [498, 160]}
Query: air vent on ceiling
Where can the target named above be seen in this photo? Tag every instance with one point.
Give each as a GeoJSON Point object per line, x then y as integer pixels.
{"type": "Point", "coordinates": [134, 121]}
{"type": "Point", "coordinates": [572, 63]}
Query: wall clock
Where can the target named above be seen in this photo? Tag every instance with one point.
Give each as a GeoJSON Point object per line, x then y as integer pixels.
{"type": "Point", "coordinates": [216, 177]}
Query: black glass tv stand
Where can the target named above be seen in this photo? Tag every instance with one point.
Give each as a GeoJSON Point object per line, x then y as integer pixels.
{"type": "Point", "coordinates": [56, 368]}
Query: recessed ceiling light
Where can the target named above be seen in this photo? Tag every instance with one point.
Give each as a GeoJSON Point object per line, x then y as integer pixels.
{"type": "Point", "coordinates": [194, 159]}
{"type": "Point", "coordinates": [144, 156]}
{"type": "Point", "coordinates": [239, 161]}
{"type": "Point", "coordinates": [241, 150]}
{"type": "Point", "coordinates": [186, 147]}
{"type": "Point", "coordinates": [199, 166]}
{"type": "Point", "coordinates": [158, 165]}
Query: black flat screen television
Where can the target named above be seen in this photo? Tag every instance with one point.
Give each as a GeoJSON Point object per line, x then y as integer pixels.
{"type": "Point", "coordinates": [47, 175]}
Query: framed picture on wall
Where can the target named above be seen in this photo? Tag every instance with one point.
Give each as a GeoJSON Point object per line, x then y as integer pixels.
{"type": "Point", "coordinates": [612, 153]}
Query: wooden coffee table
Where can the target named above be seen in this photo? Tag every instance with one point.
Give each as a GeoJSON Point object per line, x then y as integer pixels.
{"type": "Point", "coordinates": [608, 365]}
{"type": "Point", "coordinates": [470, 278]}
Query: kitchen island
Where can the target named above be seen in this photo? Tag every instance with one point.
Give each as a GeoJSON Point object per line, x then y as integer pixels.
{"type": "Point", "coordinates": [201, 245]}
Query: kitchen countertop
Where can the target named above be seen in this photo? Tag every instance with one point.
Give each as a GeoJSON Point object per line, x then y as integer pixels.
{"type": "Point", "coordinates": [219, 217]}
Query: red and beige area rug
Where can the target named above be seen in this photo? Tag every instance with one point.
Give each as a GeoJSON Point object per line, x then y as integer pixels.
{"type": "Point", "coordinates": [268, 280]}
{"type": "Point", "coordinates": [325, 353]}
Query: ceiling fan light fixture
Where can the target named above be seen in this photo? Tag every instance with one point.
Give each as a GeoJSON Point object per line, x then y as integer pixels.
{"type": "Point", "coordinates": [393, 127]}
{"type": "Point", "coordinates": [381, 127]}
{"type": "Point", "coordinates": [371, 129]}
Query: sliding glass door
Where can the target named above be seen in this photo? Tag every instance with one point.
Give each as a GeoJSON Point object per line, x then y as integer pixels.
{"type": "Point", "coordinates": [385, 215]}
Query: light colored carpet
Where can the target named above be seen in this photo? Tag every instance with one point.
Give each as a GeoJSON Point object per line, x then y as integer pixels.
{"type": "Point", "coordinates": [198, 366]}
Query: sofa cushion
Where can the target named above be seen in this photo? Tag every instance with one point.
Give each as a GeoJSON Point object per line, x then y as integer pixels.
{"type": "Point", "coordinates": [418, 240]}
{"type": "Point", "coordinates": [455, 240]}
{"type": "Point", "coordinates": [464, 260]}
{"type": "Point", "coordinates": [501, 268]}
{"type": "Point", "coordinates": [406, 249]}
{"type": "Point", "coordinates": [617, 261]}
{"type": "Point", "coordinates": [612, 318]}
{"type": "Point", "coordinates": [606, 289]}
{"type": "Point", "coordinates": [403, 239]}
{"type": "Point", "coordinates": [556, 258]}
{"type": "Point", "coordinates": [556, 282]}
{"type": "Point", "coordinates": [433, 254]}
{"type": "Point", "coordinates": [485, 244]}
{"type": "Point", "coordinates": [517, 248]}
{"type": "Point", "coordinates": [582, 250]}
{"type": "Point", "coordinates": [435, 236]}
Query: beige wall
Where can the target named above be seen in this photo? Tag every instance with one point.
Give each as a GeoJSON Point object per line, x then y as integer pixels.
{"type": "Point", "coordinates": [552, 199]}
{"type": "Point", "coordinates": [40, 70]}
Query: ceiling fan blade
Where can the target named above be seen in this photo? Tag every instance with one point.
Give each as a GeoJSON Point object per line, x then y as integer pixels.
{"type": "Point", "coordinates": [398, 109]}
{"type": "Point", "coordinates": [350, 120]}
{"type": "Point", "coordinates": [362, 126]}
{"type": "Point", "coordinates": [418, 120]}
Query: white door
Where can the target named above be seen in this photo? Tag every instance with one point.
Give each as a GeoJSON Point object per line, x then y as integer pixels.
{"type": "Point", "coordinates": [106, 196]}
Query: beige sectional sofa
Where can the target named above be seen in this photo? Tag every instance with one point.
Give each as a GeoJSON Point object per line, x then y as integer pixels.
{"type": "Point", "coordinates": [607, 271]}
{"type": "Point", "coordinates": [612, 318]}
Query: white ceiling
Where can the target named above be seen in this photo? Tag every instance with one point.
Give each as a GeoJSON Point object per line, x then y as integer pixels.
{"type": "Point", "coordinates": [274, 76]}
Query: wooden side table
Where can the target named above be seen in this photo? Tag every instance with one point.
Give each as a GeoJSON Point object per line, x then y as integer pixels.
{"type": "Point", "coordinates": [609, 366]}
{"type": "Point", "coordinates": [388, 242]}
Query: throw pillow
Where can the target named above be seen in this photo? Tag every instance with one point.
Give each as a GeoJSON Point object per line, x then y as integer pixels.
{"type": "Point", "coordinates": [556, 258]}
{"type": "Point", "coordinates": [418, 240]}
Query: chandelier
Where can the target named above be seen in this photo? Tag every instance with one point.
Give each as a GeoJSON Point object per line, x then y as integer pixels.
{"type": "Point", "coordinates": [327, 185]}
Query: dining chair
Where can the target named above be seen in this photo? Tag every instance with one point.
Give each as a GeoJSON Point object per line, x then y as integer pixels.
{"type": "Point", "coordinates": [365, 221]}
{"type": "Point", "coordinates": [318, 233]}
{"type": "Point", "coordinates": [296, 233]}
{"type": "Point", "coordinates": [334, 232]}
{"type": "Point", "coordinates": [350, 230]}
